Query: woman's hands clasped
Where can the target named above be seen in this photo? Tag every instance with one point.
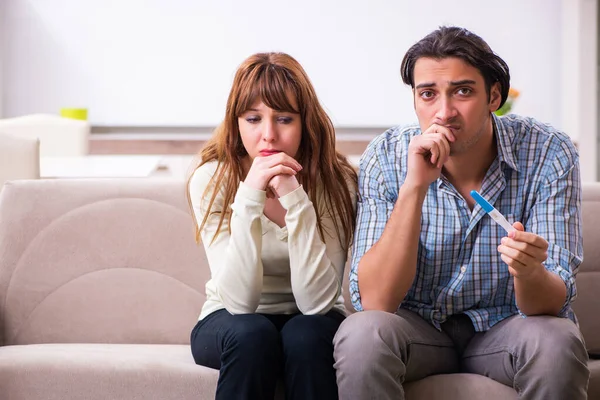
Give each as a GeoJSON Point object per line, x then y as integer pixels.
{"type": "Point", "coordinates": [275, 173]}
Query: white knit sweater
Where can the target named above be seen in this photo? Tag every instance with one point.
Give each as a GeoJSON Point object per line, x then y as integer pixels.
{"type": "Point", "coordinates": [260, 267]}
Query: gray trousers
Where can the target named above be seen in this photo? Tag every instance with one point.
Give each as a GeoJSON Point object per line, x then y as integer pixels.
{"type": "Point", "coordinates": [541, 357]}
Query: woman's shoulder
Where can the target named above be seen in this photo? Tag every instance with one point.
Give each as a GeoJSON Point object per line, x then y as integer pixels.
{"type": "Point", "coordinates": [201, 178]}
{"type": "Point", "coordinates": [348, 183]}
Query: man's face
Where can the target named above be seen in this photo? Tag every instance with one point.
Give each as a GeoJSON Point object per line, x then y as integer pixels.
{"type": "Point", "coordinates": [451, 93]}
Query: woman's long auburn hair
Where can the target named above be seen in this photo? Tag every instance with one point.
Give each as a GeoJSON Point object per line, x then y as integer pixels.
{"type": "Point", "coordinates": [272, 78]}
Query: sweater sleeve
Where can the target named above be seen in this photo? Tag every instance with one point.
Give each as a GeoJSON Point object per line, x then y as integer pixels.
{"type": "Point", "coordinates": [234, 257]}
{"type": "Point", "coordinates": [316, 268]}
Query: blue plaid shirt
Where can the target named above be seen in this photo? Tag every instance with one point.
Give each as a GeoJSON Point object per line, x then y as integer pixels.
{"type": "Point", "coordinates": [534, 179]}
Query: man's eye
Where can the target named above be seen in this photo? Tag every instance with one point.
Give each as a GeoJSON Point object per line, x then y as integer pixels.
{"type": "Point", "coordinates": [464, 91]}
{"type": "Point", "coordinates": [426, 94]}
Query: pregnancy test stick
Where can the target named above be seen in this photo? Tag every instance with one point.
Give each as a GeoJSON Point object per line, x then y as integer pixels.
{"type": "Point", "coordinates": [492, 212]}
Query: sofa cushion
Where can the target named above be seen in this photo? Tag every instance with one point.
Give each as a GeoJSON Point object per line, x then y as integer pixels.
{"type": "Point", "coordinates": [587, 304]}
{"type": "Point", "coordinates": [458, 387]}
{"type": "Point", "coordinates": [98, 261]}
{"type": "Point", "coordinates": [115, 371]}
{"type": "Point", "coordinates": [594, 385]}
{"type": "Point", "coordinates": [103, 371]}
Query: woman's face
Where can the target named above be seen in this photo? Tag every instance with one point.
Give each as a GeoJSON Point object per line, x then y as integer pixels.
{"type": "Point", "coordinates": [265, 131]}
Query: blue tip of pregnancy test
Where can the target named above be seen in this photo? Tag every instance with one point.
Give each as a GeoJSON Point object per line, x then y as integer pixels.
{"type": "Point", "coordinates": [487, 207]}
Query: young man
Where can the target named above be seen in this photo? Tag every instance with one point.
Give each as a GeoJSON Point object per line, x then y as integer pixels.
{"type": "Point", "coordinates": [443, 287]}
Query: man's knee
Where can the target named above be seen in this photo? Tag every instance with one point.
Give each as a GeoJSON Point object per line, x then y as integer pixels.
{"type": "Point", "coordinates": [553, 358]}
{"type": "Point", "coordinates": [553, 337]}
{"type": "Point", "coordinates": [546, 333]}
{"type": "Point", "coordinates": [365, 334]}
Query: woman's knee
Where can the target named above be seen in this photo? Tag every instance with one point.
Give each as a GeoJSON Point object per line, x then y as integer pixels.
{"type": "Point", "coordinates": [307, 335]}
{"type": "Point", "coordinates": [250, 332]}
{"type": "Point", "coordinates": [225, 337]}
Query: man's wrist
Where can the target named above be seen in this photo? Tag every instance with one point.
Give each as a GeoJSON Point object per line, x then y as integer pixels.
{"type": "Point", "coordinates": [418, 187]}
{"type": "Point", "coordinates": [539, 274]}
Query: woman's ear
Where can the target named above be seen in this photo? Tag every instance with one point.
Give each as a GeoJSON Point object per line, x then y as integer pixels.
{"type": "Point", "coordinates": [495, 97]}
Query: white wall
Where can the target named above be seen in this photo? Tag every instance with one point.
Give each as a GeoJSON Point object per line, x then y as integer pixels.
{"type": "Point", "coordinates": [579, 79]}
{"type": "Point", "coordinates": [170, 62]}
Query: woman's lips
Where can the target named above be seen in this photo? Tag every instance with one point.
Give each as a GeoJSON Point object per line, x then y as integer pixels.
{"type": "Point", "coordinates": [266, 153]}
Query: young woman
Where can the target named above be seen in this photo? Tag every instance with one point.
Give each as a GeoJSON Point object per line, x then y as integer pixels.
{"type": "Point", "coordinates": [274, 207]}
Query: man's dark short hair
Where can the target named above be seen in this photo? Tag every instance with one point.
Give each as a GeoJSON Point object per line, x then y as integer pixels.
{"type": "Point", "coordinates": [452, 41]}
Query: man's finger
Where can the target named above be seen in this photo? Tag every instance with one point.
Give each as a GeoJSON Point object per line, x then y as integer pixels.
{"type": "Point", "coordinates": [531, 255]}
{"type": "Point", "coordinates": [444, 150]}
{"type": "Point", "coordinates": [441, 130]}
{"type": "Point", "coordinates": [511, 262]}
{"type": "Point", "coordinates": [535, 252]}
{"type": "Point", "coordinates": [529, 237]}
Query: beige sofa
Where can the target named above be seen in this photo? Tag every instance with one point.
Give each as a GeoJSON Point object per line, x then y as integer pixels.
{"type": "Point", "coordinates": [101, 283]}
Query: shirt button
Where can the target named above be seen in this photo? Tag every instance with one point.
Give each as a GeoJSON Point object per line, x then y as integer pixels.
{"type": "Point", "coordinates": [463, 269]}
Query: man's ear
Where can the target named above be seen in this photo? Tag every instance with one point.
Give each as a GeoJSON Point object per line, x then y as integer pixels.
{"type": "Point", "coordinates": [495, 97]}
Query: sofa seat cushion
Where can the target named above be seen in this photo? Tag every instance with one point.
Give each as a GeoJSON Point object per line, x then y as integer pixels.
{"type": "Point", "coordinates": [458, 386]}
{"type": "Point", "coordinates": [116, 371]}
{"type": "Point", "coordinates": [103, 371]}
{"type": "Point", "coordinates": [594, 385]}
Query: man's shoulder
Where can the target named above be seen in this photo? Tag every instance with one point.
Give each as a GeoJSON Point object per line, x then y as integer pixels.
{"type": "Point", "coordinates": [537, 147]}
{"type": "Point", "coordinates": [530, 129]}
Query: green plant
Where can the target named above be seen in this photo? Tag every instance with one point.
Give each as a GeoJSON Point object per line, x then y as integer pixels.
{"type": "Point", "coordinates": [507, 106]}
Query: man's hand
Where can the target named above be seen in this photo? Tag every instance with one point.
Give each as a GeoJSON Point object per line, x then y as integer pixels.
{"type": "Point", "coordinates": [524, 253]}
{"type": "Point", "coordinates": [427, 154]}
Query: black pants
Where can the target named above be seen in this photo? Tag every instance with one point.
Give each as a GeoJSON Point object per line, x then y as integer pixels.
{"type": "Point", "coordinates": [254, 351]}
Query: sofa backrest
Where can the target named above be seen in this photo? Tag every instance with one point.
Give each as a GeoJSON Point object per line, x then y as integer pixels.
{"type": "Point", "coordinates": [98, 261]}
{"type": "Point", "coordinates": [587, 304]}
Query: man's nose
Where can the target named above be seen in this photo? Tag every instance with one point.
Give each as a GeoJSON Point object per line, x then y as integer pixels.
{"type": "Point", "coordinates": [446, 110]}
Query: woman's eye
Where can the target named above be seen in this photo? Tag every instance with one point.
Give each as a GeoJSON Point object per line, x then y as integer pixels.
{"type": "Point", "coordinates": [284, 120]}
{"type": "Point", "coordinates": [252, 119]}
